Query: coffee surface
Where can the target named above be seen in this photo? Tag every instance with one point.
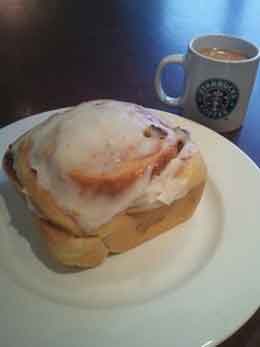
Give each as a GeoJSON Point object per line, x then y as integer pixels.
{"type": "Point", "coordinates": [222, 54]}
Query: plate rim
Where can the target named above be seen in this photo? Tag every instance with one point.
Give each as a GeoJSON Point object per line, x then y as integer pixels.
{"type": "Point", "coordinates": [40, 116]}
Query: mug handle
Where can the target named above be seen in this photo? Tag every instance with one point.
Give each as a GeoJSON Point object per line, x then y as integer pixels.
{"type": "Point", "coordinates": [170, 59]}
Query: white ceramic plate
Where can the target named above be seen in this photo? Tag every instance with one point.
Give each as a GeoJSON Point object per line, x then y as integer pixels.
{"type": "Point", "coordinates": [190, 287]}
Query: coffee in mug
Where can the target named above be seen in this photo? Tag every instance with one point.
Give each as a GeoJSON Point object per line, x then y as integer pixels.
{"type": "Point", "coordinates": [222, 54]}
{"type": "Point", "coordinates": [219, 71]}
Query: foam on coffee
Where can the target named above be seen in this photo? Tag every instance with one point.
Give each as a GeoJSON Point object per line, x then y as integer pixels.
{"type": "Point", "coordinates": [222, 54]}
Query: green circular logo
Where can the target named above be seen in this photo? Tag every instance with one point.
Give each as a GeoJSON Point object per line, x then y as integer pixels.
{"type": "Point", "coordinates": [216, 98]}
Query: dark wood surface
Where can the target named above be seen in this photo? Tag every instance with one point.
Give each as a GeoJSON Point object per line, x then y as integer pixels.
{"type": "Point", "coordinates": [55, 53]}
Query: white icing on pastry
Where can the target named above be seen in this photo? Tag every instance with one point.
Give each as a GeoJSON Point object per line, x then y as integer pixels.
{"type": "Point", "coordinates": [96, 137]}
{"type": "Point", "coordinates": [167, 187]}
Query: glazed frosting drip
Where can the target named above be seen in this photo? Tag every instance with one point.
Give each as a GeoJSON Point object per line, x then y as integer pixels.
{"type": "Point", "coordinates": [97, 137]}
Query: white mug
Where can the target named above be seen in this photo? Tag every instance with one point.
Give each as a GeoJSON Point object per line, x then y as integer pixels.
{"type": "Point", "coordinates": [216, 91]}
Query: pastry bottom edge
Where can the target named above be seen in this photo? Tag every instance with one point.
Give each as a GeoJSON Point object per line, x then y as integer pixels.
{"type": "Point", "coordinates": [126, 231]}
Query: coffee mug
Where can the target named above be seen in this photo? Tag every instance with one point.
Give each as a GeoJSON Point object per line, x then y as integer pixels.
{"type": "Point", "coordinates": [219, 71]}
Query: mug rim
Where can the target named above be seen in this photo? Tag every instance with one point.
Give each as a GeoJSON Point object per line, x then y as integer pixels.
{"type": "Point", "coordinates": [232, 37]}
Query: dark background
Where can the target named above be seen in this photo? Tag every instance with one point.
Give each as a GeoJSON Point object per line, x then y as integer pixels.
{"type": "Point", "coordinates": [56, 53]}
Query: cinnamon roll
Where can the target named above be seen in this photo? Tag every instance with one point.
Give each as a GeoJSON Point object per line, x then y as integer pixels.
{"type": "Point", "coordinates": [104, 177]}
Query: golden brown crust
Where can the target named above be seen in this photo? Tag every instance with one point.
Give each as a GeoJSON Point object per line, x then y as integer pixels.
{"type": "Point", "coordinates": [70, 250]}
{"type": "Point", "coordinates": [124, 232]}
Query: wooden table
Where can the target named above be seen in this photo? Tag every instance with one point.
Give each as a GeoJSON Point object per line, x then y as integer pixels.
{"type": "Point", "coordinates": [56, 53]}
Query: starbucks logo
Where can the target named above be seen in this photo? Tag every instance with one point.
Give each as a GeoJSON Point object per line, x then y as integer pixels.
{"type": "Point", "coordinates": [216, 98]}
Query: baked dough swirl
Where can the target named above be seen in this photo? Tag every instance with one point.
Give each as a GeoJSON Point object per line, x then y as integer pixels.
{"type": "Point", "coordinates": [104, 177]}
